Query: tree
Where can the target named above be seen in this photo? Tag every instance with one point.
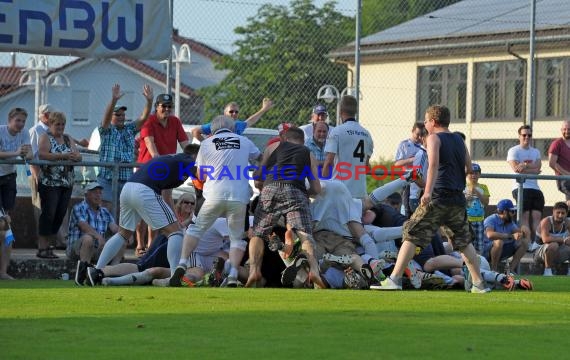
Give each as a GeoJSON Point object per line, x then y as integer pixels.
{"type": "Point", "coordinates": [282, 55]}
{"type": "Point", "coordinates": [378, 15]}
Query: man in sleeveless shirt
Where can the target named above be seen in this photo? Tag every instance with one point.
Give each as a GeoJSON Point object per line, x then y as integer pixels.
{"type": "Point", "coordinates": [442, 203]}
{"type": "Point", "coordinates": [555, 237]}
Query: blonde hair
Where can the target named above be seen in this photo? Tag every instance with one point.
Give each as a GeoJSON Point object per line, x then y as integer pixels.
{"type": "Point", "coordinates": [184, 197]}
{"type": "Point", "coordinates": [55, 116]}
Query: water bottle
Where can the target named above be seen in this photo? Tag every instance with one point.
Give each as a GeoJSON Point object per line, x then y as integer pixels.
{"type": "Point", "coordinates": [9, 238]}
{"type": "Point", "coordinates": [28, 171]}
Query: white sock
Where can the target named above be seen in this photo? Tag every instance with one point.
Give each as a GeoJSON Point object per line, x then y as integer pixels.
{"type": "Point", "coordinates": [139, 278]}
{"type": "Point", "coordinates": [174, 249]}
{"type": "Point", "coordinates": [547, 271]}
{"type": "Point", "coordinates": [491, 276]}
{"type": "Point", "coordinates": [381, 193]}
{"type": "Point", "coordinates": [233, 272]}
{"type": "Point", "coordinates": [110, 250]}
{"type": "Point", "coordinates": [383, 234]}
{"type": "Point", "coordinates": [369, 245]}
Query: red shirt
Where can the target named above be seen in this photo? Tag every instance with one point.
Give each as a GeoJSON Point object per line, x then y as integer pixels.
{"type": "Point", "coordinates": [559, 147]}
{"type": "Point", "coordinates": [166, 138]}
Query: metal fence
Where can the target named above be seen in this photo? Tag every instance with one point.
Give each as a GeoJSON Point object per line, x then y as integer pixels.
{"type": "Point", "coordinates": [471, 55]}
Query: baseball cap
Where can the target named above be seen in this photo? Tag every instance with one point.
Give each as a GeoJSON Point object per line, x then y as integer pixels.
{"type": "Point", "coordinates": [119, 107]}
{"type": "Point", "coordinates": [45, 108]}
{"type": "Point", "coordinates": [164, 99]}
{"type": "Point", "coordinates": [475, 167]}
{"type": "Point", "coordinates": [319, 109]}
{"type": "Point", "coordinates": [284, 127]}
{"type": "Point", "coordinates": [93, 186]}
{"type": "Point", "coordinates": [505, 204]}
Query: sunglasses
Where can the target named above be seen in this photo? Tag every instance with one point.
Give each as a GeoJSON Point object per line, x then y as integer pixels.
{"type": "Point", "coordinates": [118, 114]}
{"type": "Point", "coordinates": [512, 212]}
{"type": "Point", "coordinates": [166, 106]}
{"type": "Point", "coordinates": [526, 135]}
{"type": "Point", "coordinates": [234, 111]}
{"type": "Point", "coordinates": [186, 202]}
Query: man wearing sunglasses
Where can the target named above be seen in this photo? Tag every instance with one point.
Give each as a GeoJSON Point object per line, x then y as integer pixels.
{"type": "Point", "coordinates": [525, 159]}
{"type": "Point", "coordinates": [503, 237]}
{"type": "Point", "coordinates": [232, 110]}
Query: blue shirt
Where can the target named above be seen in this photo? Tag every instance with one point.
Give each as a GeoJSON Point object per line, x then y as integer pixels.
{"type": "Point", "coordinates": [498, 225]}
{"type": "Point", "coordinates": [99, 220]}
{"type": "Point", "coordinates": [317, 151]}
{"type": "Point", "coordinates": [240, 126]}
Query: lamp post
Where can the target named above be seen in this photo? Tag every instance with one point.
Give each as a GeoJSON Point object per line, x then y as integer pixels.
{"type": "Point", "coordinates": [330, 93]}
{"type": "Point", "coordinates": [34, 76]}
{"type": "Point", "coordinates": [180, 57]}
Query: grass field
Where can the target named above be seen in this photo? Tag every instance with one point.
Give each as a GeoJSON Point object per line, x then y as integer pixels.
{"type": "Point", "coordinates": [53, 319]}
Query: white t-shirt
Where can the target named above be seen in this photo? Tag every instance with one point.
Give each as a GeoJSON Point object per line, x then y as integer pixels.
{"type": "Point", "coordinates": [224, 158]}
{"type": "Point", "coordinates": [213, 240]}
{"type": "Point", "coordinates": [35, 132]}
{"type": "Point", "coordinates": [521, 155]}
{"type": "Point", "coordinates": [334, 208]}
{"type": "Point", "coordinates": [10, 143]}
{"type": "Point", "coordinates": [352, 145]}
{"type": "Point", "coordinates": [406, 149]}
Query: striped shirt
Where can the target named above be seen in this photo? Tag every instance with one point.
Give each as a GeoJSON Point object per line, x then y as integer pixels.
{"type": "Point", "coordinates": [98, 220]}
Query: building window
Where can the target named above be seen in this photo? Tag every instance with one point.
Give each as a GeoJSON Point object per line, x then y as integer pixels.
{"type": "Point", "coordinates": [445, 84]}
{"type": "Point", "coordinates": [497, 149]}
{"type": "Point", "coordinates": [80, 107]}
{"type": "Point", "coordinates": [552, 88]}
{"type": "Point", "coordinates": [499, 90]}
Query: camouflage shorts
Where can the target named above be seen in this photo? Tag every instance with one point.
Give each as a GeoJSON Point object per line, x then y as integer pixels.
{"type": "Point", "coordinates": [330, 242]}
{"type": "Point", "coordinates": [425, 221]}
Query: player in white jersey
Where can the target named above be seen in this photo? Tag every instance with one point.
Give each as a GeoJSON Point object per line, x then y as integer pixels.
{"type": "Point", "coordinates": [349, 147]}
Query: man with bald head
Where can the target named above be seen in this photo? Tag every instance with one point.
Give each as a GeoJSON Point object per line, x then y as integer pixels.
{"type": "Point", "coordinates": [559, 158]}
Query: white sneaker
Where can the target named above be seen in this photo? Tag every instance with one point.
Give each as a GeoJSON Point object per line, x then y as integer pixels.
{"type": "Point", "coordinates": [161, 282]}
{"type": "Point", "coordinates": [547, 272]}
{"type": "Point", "coordinates": [387, 284]}
{"type": "Point", "coordinates": [412, 274]}
{"type": "Point", "coordinates": [476, 290]}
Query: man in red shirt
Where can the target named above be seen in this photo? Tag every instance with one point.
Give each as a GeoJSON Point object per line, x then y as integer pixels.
{"type": "Point", "coordinates": [159, 136]}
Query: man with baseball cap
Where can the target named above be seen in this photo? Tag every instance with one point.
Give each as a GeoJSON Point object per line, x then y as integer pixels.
{"type": "Point", "coordinates": [503, 237]}
{"type": "Point", "coordinates": [89, 222]}
{"type": "Point", "coordinates": [118, 141]}
{"type": "Point", "coordinates": [319, 114]}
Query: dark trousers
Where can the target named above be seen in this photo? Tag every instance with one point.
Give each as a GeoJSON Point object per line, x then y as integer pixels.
{"type": "Point", "coordinates": [54, 202]}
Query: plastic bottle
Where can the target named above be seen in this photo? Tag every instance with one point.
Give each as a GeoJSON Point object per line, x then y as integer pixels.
{"type": "Point", "coordinates": [9, 237]}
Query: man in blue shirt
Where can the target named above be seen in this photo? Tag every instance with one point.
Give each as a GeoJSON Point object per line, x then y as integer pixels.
{"type": "Point", "coordinates": [503, 237]}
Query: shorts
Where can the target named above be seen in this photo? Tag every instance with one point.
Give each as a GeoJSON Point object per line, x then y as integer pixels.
{"type": "Point", "coordinates": [138, 202]}
{"type": "Point", "coordinates": [509, 249]}
{"type": "Point", "coordinates": [563, 254]}
{"type": "Point", "coordinates": [330, 242]}
{"type": "Point", "coordinates": [532, 199]}
{"type": "Point", "coordinates": [282, 200]}
{"type": "Point", "coordinates": [426, 220]}
{"type": "Point", "coordinates": [8, 191]}
{"type": "Point", "coordinates": [73, 249]}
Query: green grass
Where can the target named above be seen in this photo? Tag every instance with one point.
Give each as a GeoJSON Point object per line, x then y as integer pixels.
{"type": "Point", "coordinates": [53, 319]}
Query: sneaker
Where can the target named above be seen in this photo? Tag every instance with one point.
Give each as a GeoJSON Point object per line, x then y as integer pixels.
{"type": "Point", "coordinates": [274, 242]}
{"type": "Point", "coordinates": [94, 276]}
{"type": "Point", "coordinates": [176, 278]}
{"type": "Point", "coordinates": [161, 282]}
{"type": "Point", "coordinates": [290, 273]}
{"type": "Point", "coordinates": [339, 259]}
{"type": "Point", "coordinates": [367, 273]}
{"type": "Point", "coordinates": [508, 283]}
{"type": "Point", "coordinates": [353, 280]}
{"type": "Point", "coordinates": [232, 282]}
{"type": "Point", "coordinates": [413, 175]}
{"type": "Point", "coordinates": [377, 266]}
{"type": "Point", "coordinates": [432, 281]}
{"type": "Point", "coordinates": [106, 281]}
{"type": "Point", "coordinates": [388, 255]}
{"type": "Point", "coordinates": [217, 273]}
{"type": "Point", "coordinates": [186, 282]}
{"type": "Point", "coordinates": [387, 284]}
{"type": "Point", "coordinates": [476, 290]}
{"type": "Point", "coordinates": [413, 275]}
{"type": "Point", "coordinates": [524, 284]}
{"type": "Point", "coordinates": [81, 272]}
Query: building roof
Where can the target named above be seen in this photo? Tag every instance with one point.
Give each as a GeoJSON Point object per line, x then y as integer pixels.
{"type": "Point", "coordinates": [10, 75]}
{"type": "Point", "coordinates": [488, 23]}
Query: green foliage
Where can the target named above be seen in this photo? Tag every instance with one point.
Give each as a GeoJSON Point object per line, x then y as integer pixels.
{"type": "Point", "coordinates": [378, 15]}
{"type": "Point", "coordinates": [372, 182]}
{"type": "Point", "coordinates": [283, 55]}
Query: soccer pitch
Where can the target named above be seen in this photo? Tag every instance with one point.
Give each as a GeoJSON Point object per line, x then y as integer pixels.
{"type": "Point", "coordinates": [53, 319]}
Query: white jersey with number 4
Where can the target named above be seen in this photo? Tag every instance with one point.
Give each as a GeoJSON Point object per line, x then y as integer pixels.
{"type": "Point", "coordinates": [352, 145]}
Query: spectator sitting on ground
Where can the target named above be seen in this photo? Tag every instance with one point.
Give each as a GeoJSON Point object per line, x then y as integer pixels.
{"type": "Point", "coordinates": [503, 237]}
{"type": "Point", "coordinates": [555, 238]}
{"type": "Point", "coordinates": [88, 224]}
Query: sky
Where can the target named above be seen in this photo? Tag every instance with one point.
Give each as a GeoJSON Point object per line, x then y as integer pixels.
{"type": "Point", "coordinates": [208, 21]}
